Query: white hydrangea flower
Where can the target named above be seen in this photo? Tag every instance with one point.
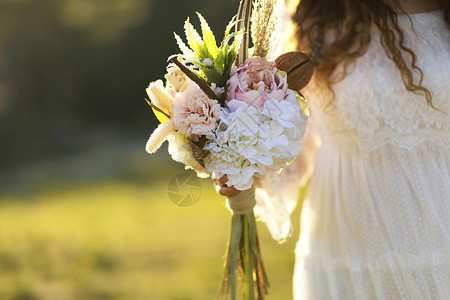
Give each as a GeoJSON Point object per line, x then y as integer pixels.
{"type": "Point", "coordinates": [249, 138]}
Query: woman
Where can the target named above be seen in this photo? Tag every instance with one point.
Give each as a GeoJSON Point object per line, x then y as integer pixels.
{"type": "Point", "coordinates": [376, 221]}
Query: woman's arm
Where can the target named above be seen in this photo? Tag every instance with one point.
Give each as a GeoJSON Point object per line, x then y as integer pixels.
{"type": "Point", "coordinates": [303, 165]}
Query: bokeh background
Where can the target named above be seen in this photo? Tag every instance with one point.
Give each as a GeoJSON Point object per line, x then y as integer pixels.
{"type": "Point", "coordinates": [84, 211]}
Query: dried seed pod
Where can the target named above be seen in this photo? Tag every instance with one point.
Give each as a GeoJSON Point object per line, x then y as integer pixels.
{"type": "Point", "coordinates": [197, 149]}
{"type": "Point", "coordinates": [298, 67]}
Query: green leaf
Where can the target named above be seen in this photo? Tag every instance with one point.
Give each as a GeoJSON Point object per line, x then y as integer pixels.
{"type": "Point", "coordinates": [220, 61]}
{"type": "Point", "coordinates": [208, 38]}
{"type": "Point", "coordinates": [231, 57]}
{"type": "Point", "coordinates": [160, 116]}
{"type": "Point", "coordinates": [185, 49]}
{"type": "Point", "coordinates": [230, 26]}
{"type": "Point", "coordinates": [237, 41]}
{"type": "Point", "coordinates": [194, 40]}
{"type": "Point", "coordinates": [227, 39]}
{"type": "Point", "coordinates": [213, 76]}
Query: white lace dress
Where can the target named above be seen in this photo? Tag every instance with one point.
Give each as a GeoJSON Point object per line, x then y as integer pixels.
{"type": "Point", "coordinates": [376, 220]}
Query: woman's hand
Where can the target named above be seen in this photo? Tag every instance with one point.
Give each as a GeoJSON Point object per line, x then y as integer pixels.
{"type": "Point", "coordinates": [228, 191]}
{"type": "Point", "coordinates": [222, 188]}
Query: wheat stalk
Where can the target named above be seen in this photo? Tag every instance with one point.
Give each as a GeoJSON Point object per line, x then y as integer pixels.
{"type": "Point", "coordinates": [264, 24]}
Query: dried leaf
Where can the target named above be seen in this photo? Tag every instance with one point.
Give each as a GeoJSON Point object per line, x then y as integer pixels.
{"type": "Point", "coordinates": [299, 69]}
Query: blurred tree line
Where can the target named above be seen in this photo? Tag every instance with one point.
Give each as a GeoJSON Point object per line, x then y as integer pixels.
{"type": "Point", "coordinates": [73, 71]}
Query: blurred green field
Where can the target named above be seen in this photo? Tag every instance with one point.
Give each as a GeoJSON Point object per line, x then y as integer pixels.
{"type": "Point", "coordinates": [120, 239]}
{"type": "Point", "coordinates": [84, 211]}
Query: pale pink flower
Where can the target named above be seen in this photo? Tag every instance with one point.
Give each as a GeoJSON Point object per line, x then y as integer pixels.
{"type": "Point", "coordinates": [193, 113]}
{"type": "Point", "coordinates": [256, 81]}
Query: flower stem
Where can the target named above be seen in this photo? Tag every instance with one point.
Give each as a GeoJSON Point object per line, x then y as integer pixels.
{"type": "Point", "coordinates": [195, 78]}
{"type": "Point", "coordinates": [249, 261]}
{"type": "Point", "coordinates": [247, 270]}
{"type": "Point", "coordinates": [157, 108]}
{"type": "Point", "coordinates": [236, 236]}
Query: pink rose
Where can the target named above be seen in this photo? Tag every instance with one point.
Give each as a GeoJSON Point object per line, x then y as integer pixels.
{"type": "Point", "coordinates": [256, 81]}
{"type": "Point", "coordinates": [194, 113]}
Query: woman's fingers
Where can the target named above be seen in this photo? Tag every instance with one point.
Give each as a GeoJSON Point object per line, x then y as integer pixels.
{"type": "Point", "coordinates": [224, 190]}
{"type": "Point", "coordinates": [257, 182]}
{"type": "Point", "coordinates": [228, 191]}
{"type": "Point", "coordinates": [223, 180]}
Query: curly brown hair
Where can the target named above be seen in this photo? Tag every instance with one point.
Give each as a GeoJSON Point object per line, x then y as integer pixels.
{"type": "Point", "coordinates": [349, 22]}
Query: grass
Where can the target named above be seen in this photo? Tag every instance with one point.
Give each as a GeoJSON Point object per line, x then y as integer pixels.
{"type": "Point", "coordinates": [118, 240]}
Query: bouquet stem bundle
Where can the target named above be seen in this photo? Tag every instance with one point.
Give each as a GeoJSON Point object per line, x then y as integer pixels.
{"type": "Point", "coordinates": [244, 263]}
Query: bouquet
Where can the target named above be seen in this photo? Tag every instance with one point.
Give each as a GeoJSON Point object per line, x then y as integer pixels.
{"type": "Point", "coordinates": [227, 113]}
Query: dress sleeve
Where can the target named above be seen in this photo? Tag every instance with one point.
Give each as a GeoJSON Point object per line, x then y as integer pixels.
{"type": "Point", "coordinates": [277, 192]}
